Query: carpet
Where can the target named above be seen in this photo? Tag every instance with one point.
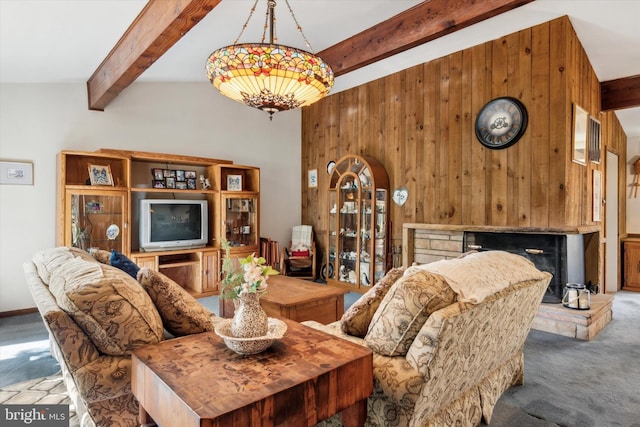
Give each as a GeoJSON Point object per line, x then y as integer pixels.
{"type": "Point", "coordinates": [568, 382]}
{"type": "Point", "coordinates": [40, 391]}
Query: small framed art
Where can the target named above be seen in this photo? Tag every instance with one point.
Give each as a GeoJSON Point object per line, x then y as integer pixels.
{"type": "Point", "coordinates": [597, 195]}
{"type": "Point", "coordinates": [17, 173]}
{"type": "Point", "coordinates": [234, 182]}
{"type": "Point", "coordinates": [580, 148]}
{"type": "Point", "coordinates": [100, 175]}
{"type": "Point", "coordinates": [313, 178]}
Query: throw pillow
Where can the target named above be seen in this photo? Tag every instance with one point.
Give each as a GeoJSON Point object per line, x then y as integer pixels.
{"type": "Point", "coordinates": [48, 260]}
{"type": "Point", "coordinates": [181, 313]}
{"type": "Point", "coordinates": [120, 261]}
{"type": "Point", "coordinates": [357, 318]}
{"type": "Point", "coordinates": [404, 310]}
{"type": "Point", "coordinates": [110, 307]}
{"type": "Point", "coordinates": [101, 255]}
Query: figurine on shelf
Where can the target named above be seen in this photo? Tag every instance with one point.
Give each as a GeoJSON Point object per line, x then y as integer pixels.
{"type": "Point", "coordinates": [206, 184]}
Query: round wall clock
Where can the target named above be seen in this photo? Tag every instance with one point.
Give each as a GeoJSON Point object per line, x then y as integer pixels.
{"type": "Point", "coordinates": [501, 123]}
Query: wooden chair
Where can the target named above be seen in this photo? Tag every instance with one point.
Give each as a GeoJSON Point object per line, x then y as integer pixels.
{"type": "Point", "coordinates": [298, 259]}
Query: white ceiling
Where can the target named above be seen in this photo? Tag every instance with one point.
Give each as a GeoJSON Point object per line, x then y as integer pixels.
{"type": "Point", "coordinates": [65, 40]}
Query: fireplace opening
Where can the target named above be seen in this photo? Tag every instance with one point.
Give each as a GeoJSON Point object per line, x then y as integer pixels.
{"type": "Point", "coordinates": [562, 255]}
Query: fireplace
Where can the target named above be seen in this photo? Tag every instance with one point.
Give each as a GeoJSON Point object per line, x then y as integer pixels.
{"type": "Point", "coordinates": [562, 255]}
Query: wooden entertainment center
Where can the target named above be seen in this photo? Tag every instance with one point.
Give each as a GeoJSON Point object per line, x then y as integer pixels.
{"type": "Point", "coordinates": [101, 211]}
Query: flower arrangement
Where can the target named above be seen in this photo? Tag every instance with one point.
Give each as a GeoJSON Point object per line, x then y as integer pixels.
{"type": "Point", "coordinates": [250, 277]}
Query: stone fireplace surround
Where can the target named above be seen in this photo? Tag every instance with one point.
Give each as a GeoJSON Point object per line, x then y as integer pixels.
{"type": "Point", "coordinates": [571, 254]}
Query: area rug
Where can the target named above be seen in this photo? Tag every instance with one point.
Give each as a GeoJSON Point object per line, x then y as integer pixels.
{"type": "Point", "coordinates": [40, 391]}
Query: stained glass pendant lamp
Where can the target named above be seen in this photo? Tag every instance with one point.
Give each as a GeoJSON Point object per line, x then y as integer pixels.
{"type": "Point", "coordinates": [269, 76]}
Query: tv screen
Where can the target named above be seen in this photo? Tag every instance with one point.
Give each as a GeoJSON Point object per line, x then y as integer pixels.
{"type": "Point", "coordinates": [166, 224]}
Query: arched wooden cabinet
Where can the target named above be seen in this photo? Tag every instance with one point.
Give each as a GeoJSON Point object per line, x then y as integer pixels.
{"type": "Point", "coordinates": [357, 235]}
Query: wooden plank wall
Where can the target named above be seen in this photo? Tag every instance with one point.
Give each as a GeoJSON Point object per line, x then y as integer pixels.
{"type": "Point", "coordinates": [420, 124]}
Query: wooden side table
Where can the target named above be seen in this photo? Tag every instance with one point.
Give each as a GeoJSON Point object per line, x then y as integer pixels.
{"type": "Point", "coordinates": [298, 300]}
{"type": "Point", "coordinates": [302, 379]}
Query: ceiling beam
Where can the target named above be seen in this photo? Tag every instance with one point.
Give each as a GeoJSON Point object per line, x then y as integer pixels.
{"type": "Point", "coordinates": [422, 23]}
{"type": "Point", "coordinates": [158, 27]}
{"type": "Point", "coordinates": [620, 93]}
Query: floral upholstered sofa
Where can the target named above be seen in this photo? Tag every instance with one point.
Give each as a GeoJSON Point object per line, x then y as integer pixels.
{"type": "Point", "coordinates": [97, 315]}
{"type": "Point", "coordinates": [447, 337]}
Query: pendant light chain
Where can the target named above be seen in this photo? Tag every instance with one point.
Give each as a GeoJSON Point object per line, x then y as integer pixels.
{"type": "Point", "coordinates": [299, 27]}
{"type": "Point", "coordinates": [246, 23]}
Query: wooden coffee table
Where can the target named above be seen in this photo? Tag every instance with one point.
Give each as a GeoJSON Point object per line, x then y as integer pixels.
{"type": "Point", "coordinates": [298, 300]}
{"type": "Point", "coordinates": [302, 379]}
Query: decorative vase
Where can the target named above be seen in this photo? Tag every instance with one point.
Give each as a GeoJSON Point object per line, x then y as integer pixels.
{"type": "Point", "coordinates": [249, 320]}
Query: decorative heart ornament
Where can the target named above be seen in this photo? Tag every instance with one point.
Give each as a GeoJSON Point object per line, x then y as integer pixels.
{"type": "Point", "coordinates": [400, 195]}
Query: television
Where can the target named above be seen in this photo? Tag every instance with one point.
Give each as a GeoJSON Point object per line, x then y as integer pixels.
{"type": "Point", "coordinates": [166, 224]}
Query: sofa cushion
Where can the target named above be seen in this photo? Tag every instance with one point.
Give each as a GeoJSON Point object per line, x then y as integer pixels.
{"type": "Point", "coordinates": [357, 318]}
{"type": "Point", "coordinates": [119, 260]}
{"type": "Point", "coordinates": [478, 275]}
{"type": "Point", "coordinates": [181, 313]}
{"type": "Point", "coordinates": [48, 260]}
{"type": "Point", "coordinates": [110, 306]}
{"type": "Point", "coordinates": [404, 310]}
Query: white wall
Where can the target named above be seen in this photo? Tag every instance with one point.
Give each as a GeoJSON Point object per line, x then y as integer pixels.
{"type": "Point", "coordinates": [633, 204]}
{"type": "Point", "coordinates": [39, 120]}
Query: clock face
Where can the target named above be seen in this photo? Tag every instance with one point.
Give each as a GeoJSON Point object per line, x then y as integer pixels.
{"type": "Point", "coordinates": [501, 123]}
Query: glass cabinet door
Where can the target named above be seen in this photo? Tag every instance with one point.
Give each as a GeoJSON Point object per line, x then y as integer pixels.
{"type": "Point", "coordinates": [240, 220]}
{"type": "Point", "coordinates": [97, 220]}
{"type": "Point", "coordinates": [357, 230]}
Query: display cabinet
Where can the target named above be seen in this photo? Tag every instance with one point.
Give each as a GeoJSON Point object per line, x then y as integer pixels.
{"type": "Point", "coordinates": [99, 200]}
{"type": "Point", "coordinates": [357, 235]}
{"type": "Point", "coordinates": [97, 219]}
{"type": "Point", "coordinates": [239, 190]}
{"type": "Point", "coordinates": [92, 213]}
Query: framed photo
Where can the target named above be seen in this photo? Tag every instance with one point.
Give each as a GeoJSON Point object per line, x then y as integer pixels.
{"type": "Point", "coordinates": [190, 174]}
{"type": "Point", "coordinates": [159, 183]}
{"type": "Point", "coordinates": [100, 175]}
{"type": "Point", "coordinates": [180, 175]}
{"type": "Point", "coordinates": [170, 182]}
{"type": "Point", "coordinates": [593, 136]}
{"type": "Point", "coordinates": [313, 178]}
{"type": "Point", "coordinates": [169, 173]}
{"type": "Point", "coordinates": [234, 182]}
{"type": "Point", "coordinates": [597, 194]}
{"type": "Point", "coordinates": [181, 185]}
{"type": "Point", "coordinates": [17, 173]}
{"type": "Point", "coordinates": [191, 183]}
{"type": "Point", "coordinates": [580, 117]}
{"type": "Point", "coordinates": [157, 173]}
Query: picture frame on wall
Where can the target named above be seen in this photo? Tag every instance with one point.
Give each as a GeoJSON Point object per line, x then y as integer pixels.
{"type": "Point", "coordinates": [313, 178]}
{"type": "Point", "coordinates": [593, 136]}
{"type": "Point", "coordinates": [16, 173]}
{"type": "Point", "coordinates": [597, 195]}
{"type": "Point", "coordinates": [234, 182]}
{"type": "Point", "coordinates": [579, 137]}
{"type": "Point", "coordinates": [100, 175]}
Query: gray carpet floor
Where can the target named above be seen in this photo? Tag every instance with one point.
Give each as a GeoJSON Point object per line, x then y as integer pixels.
{"type": "Point", "coordinates": [568, 382]}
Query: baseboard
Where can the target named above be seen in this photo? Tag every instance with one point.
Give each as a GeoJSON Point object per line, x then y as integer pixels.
{"type": "Point", "coordinates": [18, 312]}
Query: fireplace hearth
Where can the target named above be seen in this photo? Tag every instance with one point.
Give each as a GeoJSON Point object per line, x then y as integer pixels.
{"type": "Point", "coordinates": [562, 255]}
